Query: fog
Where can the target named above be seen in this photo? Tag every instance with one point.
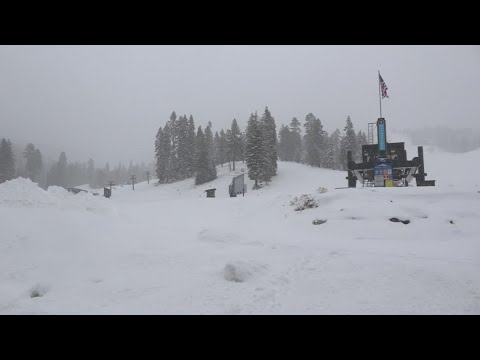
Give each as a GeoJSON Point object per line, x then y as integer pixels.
{"type": "Point", "coordinates": [107, 102]}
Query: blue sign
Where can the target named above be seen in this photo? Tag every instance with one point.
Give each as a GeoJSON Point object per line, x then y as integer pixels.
{"type": "Point", "coordinates": [381, 137]}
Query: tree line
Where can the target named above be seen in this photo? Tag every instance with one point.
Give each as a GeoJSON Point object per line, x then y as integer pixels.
{"type": "Point", "coordinates": [30, 164]}
{"type": "Point", "coordinates": [318, 148]}
{"type": "Point", "coordinates": [183, 151]}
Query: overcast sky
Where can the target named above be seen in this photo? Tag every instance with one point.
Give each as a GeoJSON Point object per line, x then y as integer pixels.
{"type": "Point", "coordinates": [107, 102]}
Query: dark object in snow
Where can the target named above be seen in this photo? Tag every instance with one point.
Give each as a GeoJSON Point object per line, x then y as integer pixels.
{"type": "Point", "coordinates": [237, 186]}
{"type": "Point", "coordinates": [451, 222]}
{"type": "Point", "coordinates": [385, 164]}
{"type": "Point", "coordinates": [318, 222]}
{"type": "Point", "coordinates": [210, 193]}
{"type": "Point", "coordinates": [391, 200]}
{"type": "Point", "coordinates": [107, 193]}
{"type": "Point", "coordinates": [76, 191]}
{"type": "Point", "coordinates": [394, 219]}
{"type": "Point", "coordinates": [38, 291]}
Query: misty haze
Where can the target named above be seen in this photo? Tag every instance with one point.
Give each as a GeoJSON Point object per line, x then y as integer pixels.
{"type": "Point", "coordinates": [239, 179]}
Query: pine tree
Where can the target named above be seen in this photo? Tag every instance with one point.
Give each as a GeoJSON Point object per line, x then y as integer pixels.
{"type": "Point", "coordinates": [295, 143]}
{"type": "Point", "coordinates": [361, 140]}
{"type": "Point", "coordinates": [330, 154]}
{"type": "Point", "coordinates": [284, 144]}
{"type": "Point", "coordinates": [212, 170]}
{"type": "Point", "coordinates": [33, 165]}
{"type": "Point", "coordinates": [335, 142]}
{"type": "Point", "coordinates": [183, 148]}
{"type": "Point", "coordinates": [7, 161]}
{"type": "Point", "coordinates": [255, 150]}
{"type": "Point", "coordinates": [270, 140]}
{"type": "Point", "coordinates": [205, 169]}
{"type": "Point", "coordinates": [217, 146]}
{"type": "Point", "coordinates": [173, 161]}
{"type": "Point", "coordinates": [223, 147]}
{"type": "Point", "coordinates": [348, 143]}
{"type": "Point", "coordinates": [234, 142]}
{"type": "Point", "coordinates": [191, 147]}
{"type": "Point", "coordinates": [314, 141]}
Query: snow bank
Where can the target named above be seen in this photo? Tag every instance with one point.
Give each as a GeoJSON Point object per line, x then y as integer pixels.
{"type": "Point", "coordinates": [21, 192]}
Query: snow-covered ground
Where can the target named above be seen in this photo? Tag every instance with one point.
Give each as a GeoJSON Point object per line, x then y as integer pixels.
{"type": "Point", "coordinates": [168, 249]}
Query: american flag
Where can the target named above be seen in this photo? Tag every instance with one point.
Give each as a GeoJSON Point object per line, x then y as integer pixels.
{"type": "Point", "coordinates": [383, 87]}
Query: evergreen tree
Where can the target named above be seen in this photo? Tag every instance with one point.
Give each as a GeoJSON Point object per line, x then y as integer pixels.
{"type": "Point", "coordinates": [314, 141]}
{"type": "Point", "coordinates": [223, 147]}
{"type": "Point", "coordinates": [212, 170]}
{"type": "Point", "coordinates": [234, 142]}
{"type": "Point", "coordinates": [335, 143]}
{"type": "Point", "coordinates": [255, 150]}
{"type": "Point", "coordinates": [62, 170]}
{"type": "Point", "coordinates": [330, 154]}
{"type": "Point", "coordinates": [205, 169]}
{"type": "Point", "coordinates": [217, 146]}
{"type": "Point", "coordinates": [361, 140]}
{"type": "Point", "coordinates": [173, 161]}
{"type": "Point", "coordinates": [7, 161]}
{"type": "Point", "coordinates": [348, 143]}
{"type": "Point", "coordinates": [191, 148]}
{"type": "Point", "coordinates": [33, 165]}
{"type": "Point", "coordinates": [284, 144]}
{"type": "Point", "coordinates": [270, 140]}
{"type": "Point", "coordinates": [183, 148]}
{"type": "Point", "coordinates": [295, 143]}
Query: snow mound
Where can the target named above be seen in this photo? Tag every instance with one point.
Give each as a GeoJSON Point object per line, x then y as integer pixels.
{"type": "Point", "coordinates": [21, 192]}
{"type": "Point", "coordinates": [240, 271]}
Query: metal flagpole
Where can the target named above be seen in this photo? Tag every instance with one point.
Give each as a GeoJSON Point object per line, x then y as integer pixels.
{"type": "Point", "coordinates": [379, 93]}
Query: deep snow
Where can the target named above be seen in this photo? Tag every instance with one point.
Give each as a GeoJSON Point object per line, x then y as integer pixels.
{"type": "Point", "coordinates": [168, 249]}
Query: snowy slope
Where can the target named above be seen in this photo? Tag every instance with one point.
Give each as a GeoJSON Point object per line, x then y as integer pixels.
{"type": "Point", "coordinates": [168, 249]}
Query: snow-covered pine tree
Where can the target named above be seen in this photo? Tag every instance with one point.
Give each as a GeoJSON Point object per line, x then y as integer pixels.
{"type": "Point", "coordinates": [217, 146]}
{"type": "Point", "coordinates": [270, 140]}
{"type": "Point", "coordinates": [295, 143]}
{"type": "Point", "coordinates": [348, 142]}
{"type": "Point", "coordinates": [361, 140]}
{"type": "Point", "coordinates": [173, 161]}
{"type": "Point", "coordinates": [212, 170]}
{"type": "Point", "coordinates": [191, 147]}
{"type": "Point", "coordinates": [204, 171]}
{"type": "Point", "coordinates": [255, 150]}
{"type": "Point", "coordinates": [223, 148]}
{"type": "Point", "coordinates": [284, 144]}
{"type": "Point", "coordinates": [242, 147]}
{"type": "Point", "coordinates": [329, 161]}
{"type": "Point", "coordinates": [314, 141]}
{"type": "Point", "coordinates": [183, 148]}
{"type": "Point", "coordinates": [335, 141]}
{"type": "Point", "coordinates": [234, 145]}
{"type": "Point", "coordinates": [7, 161]}
{"type": "Point", "coordinates": [33, 165]}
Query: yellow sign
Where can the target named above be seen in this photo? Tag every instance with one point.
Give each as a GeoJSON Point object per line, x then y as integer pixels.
{"type": "Point", "coordinates": [388, 183]}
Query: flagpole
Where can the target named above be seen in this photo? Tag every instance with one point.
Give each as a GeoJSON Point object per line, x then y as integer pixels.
{"type": "Point", "coordinates": [379, 93]}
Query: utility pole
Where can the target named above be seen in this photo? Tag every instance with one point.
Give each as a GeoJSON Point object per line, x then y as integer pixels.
{"type": "Point", "coordinates": [133, 177]}
{"type": "Point", "coordinates": [148, 177]}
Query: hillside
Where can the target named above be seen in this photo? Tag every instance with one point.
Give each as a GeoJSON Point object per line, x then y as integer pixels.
{"type": "Point", "coordinates": [168, 249]}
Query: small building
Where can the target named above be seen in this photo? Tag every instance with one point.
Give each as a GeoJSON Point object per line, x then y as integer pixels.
{"type": "Point", "coordinates": [210, 193]}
